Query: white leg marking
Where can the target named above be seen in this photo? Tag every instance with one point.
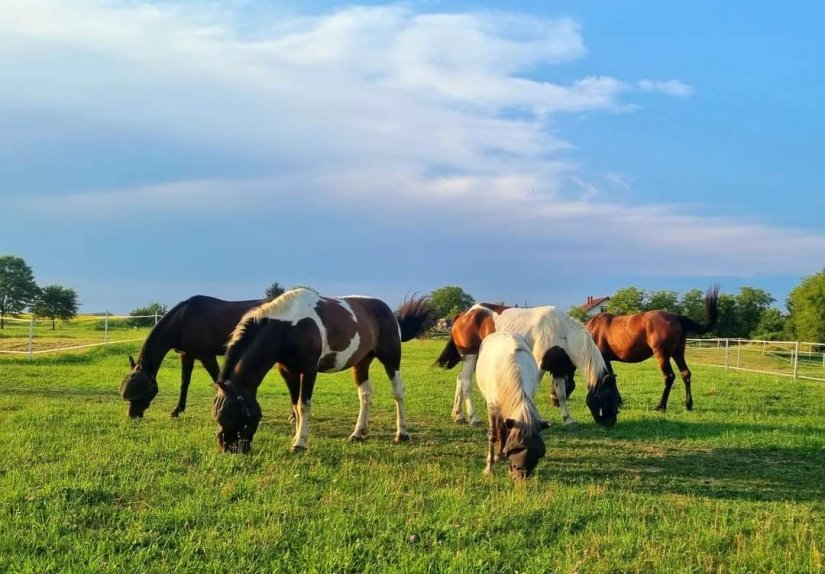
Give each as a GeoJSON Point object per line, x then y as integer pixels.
{"type": "Point", "coordinates": [302, 426]}
{"type": "Point", "coordinates": [468, 368]}
{"type": "Point", "coordinates": [561, 395]}
{"type": "Point", "coordinates": [459, 398]}
{"type": "Point", "coordinates": [362, 426]}
{"type": "Point", "coordinates": [400, 411]}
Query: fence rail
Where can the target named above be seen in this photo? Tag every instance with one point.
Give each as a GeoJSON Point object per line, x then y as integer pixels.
{"type": "Point", "coordinates": [34, 336]}
{"type": "Point", "coordinates": [795, 359]}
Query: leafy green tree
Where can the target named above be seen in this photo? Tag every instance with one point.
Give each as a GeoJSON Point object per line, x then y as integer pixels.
{"type": "Point", "coordinates": [728, 323]}
{"type": "Point", "coordinates": [154, 309]}
{"type": "Point", "coordinates": [449, 300]}
{"type": "Point", "coordinates": [663, 299]}
{"type": "Point", "coordinates": [578, 313]}
{"type": "Point", "coordinates": [626, 301]}
{"type": "Point", "coordinates": [693, 305]}
{"type": "Point", "coordinates": [17, 286]}
{"type": "Point", "coordinates": [750, 305]}
{"type": "Point", "coordinates": [772, 326]}
{"type": "Point", "coordinates": [273, 291]}
{"type": "Point", "coordinates": [806, 305]}
{"type": "Point", "coordinates": [56, 302]}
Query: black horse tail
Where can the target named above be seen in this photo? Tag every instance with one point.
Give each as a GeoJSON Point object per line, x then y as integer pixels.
{"type": "Point", "coordinates": [711, 313]}
{"type": "Point", "coordinates": [415, 315]}
{"type": "Point", "coordinates": [450, 356]}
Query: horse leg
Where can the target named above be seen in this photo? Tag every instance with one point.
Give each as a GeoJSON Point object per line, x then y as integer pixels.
{"type": "Point", "coordinates": [304, 409]}
{"type": "Point", "coordinates": [560, 391]}
{"type": "Point", "coordinates": [670, 376]}
{"type": "Point", "coordinates": [458, 398]}
{"type": "Point", "coordinates": [492, 436]}
{"type": "Point", "coordinates": [679, 357]}
{"type": "Point", "coordinates": [502, 439]}
{"type": "Point", "coordinates": [292, 419]}
{"type": "Point", "coordinates": [361, 371]}
{"type": "Point", "coordinates": [187, 363]}
{"type": "Point", "coordinates": [401, 434]}
{"type": "Point", "coordinates": [465, 379]}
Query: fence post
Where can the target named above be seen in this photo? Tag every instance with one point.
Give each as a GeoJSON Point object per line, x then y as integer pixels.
{"type": "Point", "coordinates": [727, 344]}
{"type": "Point", "coordinates": [796, 360]}
{"type": "Point", "coordinates": [738, 352]}
{"type": "Point", "coordinates": [156, 317]}
{"type": "Point", "coordinates": [31, 337]}
{"type": "Point", "coordinates": [106, 328]}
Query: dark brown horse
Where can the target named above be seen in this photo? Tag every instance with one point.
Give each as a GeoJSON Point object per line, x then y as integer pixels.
{"type": "Point", "coordinates": [305, 334]}
{"type": "Point", "coordinates": [634, 338]}
{"type": "Point", "coordinates": [197, 328]}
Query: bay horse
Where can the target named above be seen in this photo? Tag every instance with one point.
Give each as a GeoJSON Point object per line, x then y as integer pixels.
{"type": "Point", "coordinates": [197, 328]}
{"type": "Point", "coordinates": [635, 338]}
{"type": "Point", "coordinates": [560, 345]}
{"type": "Point", "coordinates": [508, 376]}
{"type": "Point", "coordinates": [305, 333]}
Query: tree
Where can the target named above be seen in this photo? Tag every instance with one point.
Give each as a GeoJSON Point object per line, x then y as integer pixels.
{"type": "Point", "coordinates": [806, 305]}
{"type": "Point", "coordinates": [153, 309]}
{"type": "Point", "coordinates": [450, 300]}
{"type": "Point", "coordinates": [578, 313]}
{"type": "Point", "coordinates": [693, 305]}
{"type": "Point", "coordinates": [728, 324]}
{"type": "Point", "coordinates": [17, 286]}
{"type": "Point", "coordinates": [663, 299]}
{"type": "Point", "coordinates": [273, 291]}
{"type": "Point", "coordinates": [56, 302]}
{"type": "Point", "coordinates": [626, 301]}
{"type": "Point", "coordinates": [750, 305]}
{"type": "Point", "coordinates": [772, 326]}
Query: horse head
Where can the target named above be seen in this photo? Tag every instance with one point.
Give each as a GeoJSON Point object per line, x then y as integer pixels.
{"type": "Point", "coordinates": [238, 414]}
{"type": "Point", "coordinates": [604, 400]}
{"type": "Point", "coordinates": [523, 451]}
{"type": "Point", "coordinates": [139, 388]}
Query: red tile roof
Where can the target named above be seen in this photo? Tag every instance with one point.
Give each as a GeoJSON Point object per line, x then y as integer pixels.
{"type": "Point", "coordinates": [592, 302]}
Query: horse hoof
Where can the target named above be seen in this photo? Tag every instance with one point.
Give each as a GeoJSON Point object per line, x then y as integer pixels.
{"type": "Point", "coordinates": [174, 414]}
{"type": "Point", "coordinates": [488, 471]}
{"type": "Point", "coordinates": [296, 448]}
{"type": "Point", "coordinates": [459, 420]}
{"type": "Point", "coordinates": [660, 408]}
{"type": "Point", "coordinates": [401, 438]}
{"type": "Point", "coordinates": [689, 406]}
{"type": "Point", "coordinates": [357, 438]}
{"type": "Point", "coordinates": [475, 423]}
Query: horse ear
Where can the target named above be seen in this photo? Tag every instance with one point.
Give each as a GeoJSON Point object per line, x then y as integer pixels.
{"type": "Point", "coordinates": [509, 423]}
{"type": "Point", "coordinates": [131, 362]}
{"type": "Point", "coordinates": [223, 386]}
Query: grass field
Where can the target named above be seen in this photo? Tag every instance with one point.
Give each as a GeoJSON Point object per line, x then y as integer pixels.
{"type": "Point", "coordinates": [734, 486]}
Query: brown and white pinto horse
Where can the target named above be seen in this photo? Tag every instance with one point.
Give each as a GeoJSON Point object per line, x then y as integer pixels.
{"type": "Point", "coordinates": [305, 334]}
{"type": "Point", "coordinates": [634, 338]}
{"type": "Point", "coordinates": [197, 328]}
{"type": "Point", "coordinates": [560, 345]}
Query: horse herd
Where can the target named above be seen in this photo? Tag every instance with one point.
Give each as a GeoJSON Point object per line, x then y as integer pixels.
{"type": "Point", "coordinates": [508, 349]}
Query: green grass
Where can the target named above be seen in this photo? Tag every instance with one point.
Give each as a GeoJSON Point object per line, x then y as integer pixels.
{"type": "Point", "coordinates": [734, 486]}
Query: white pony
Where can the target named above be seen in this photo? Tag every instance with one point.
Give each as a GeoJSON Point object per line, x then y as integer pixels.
{"type": "Point", "coordinates": [559, 343]}
{"type": "Point", "coordinates": [508, 376]}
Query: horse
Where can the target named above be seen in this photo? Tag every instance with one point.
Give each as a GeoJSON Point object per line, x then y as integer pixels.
{"type": "Point", "coordinates": [305, 333]}
{"type": "Point", "coordinates": [560, 345]}
{"type": "Point", "coordinates": [508, 376]}
{"type": "Point", "coordinates": [197, 328]}
{"type": "Point", "coordinates": [635, 338]}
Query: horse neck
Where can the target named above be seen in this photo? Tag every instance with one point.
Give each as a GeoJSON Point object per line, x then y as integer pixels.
{"type": "Point", "coordinates": [516, 401]}
{"type": "Point", "coordinates": [252, 356]}
{"type": "Point", "coordinates": [587, 357]}
{"type": "Point", "coordinates": [160, 341]}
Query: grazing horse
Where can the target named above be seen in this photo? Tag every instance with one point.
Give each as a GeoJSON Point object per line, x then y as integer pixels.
{"type": "Point", "coordinates": [560, 345]}
{"type": "Point", "coordinates": [197, 328]}
{"type": "Point", "coordinates": [508, 376]}
{"type": "Point", "coordinates": [305, 334]}
{"type": "Point", "coordinates": [634, 338]}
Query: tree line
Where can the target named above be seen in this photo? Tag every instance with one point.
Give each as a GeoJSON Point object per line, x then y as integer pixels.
{"type": "Point", "coordinates": [19, 291]}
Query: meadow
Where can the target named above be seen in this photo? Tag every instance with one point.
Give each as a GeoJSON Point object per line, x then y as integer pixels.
{"type": "Point", "coordinates": [734, 486]}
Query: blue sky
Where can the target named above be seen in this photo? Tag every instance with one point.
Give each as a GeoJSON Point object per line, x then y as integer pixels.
{"type": "Point", "coordinates": [536, 153]}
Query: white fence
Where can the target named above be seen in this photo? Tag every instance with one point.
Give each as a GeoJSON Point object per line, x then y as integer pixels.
{"type": "Point", "coordinates": [33, 336]}
{"type": "Point", "coordinates": [796, 359]}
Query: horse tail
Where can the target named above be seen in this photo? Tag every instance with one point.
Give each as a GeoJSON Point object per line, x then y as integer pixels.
{"type": "Point", "coordinates": [711, 313]}
{"type": "Point", "coordinates": [450, 356]}
{"type": "Point", "coordinates": [415, 315]}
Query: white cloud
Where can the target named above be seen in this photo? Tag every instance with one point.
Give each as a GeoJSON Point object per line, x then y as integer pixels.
{"type": "Point", "coordinates": [411, 111]}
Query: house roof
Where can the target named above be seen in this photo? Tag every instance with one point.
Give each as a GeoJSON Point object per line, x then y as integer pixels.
{"type": "Point", "coordinates": [593, 302]}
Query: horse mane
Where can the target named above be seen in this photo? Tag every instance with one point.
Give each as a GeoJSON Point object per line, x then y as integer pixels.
{"type": "Point", "coordinates": [160, 328]}
{"type": "Point", "coordinates": [594, 365]}
{"type": "Point", "coordinates": [514, 402]}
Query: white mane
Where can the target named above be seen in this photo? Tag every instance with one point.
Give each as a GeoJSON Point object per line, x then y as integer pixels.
{"type": "Point", "coordinates": [292, 306]}
{"type": "Point", "coordinates": [545, 327]}
{"type": "Point", "coordinates": [507, 377]}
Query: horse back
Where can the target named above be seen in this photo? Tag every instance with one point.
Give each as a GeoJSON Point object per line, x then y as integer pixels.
{"type": "Point", "coordinates": [203, 325]}
{"type": "Point", "coordinates": [470, 328]}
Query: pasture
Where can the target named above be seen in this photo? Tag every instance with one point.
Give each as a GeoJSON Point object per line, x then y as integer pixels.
{"type": "Point", "coordinates": [734, 486]}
